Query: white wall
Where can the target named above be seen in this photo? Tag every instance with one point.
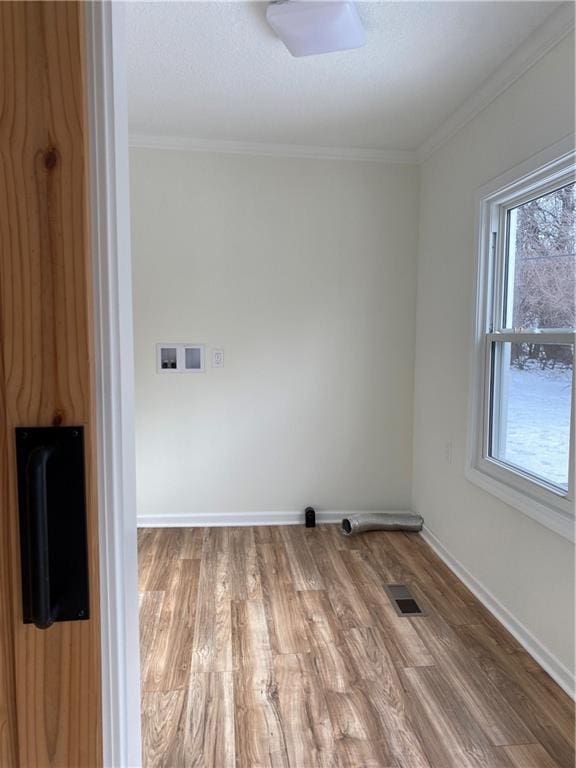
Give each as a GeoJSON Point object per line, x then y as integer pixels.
{"type": "Point", "coordinates": [525, 566]}
{"type": "Point", "coordinates": [304, 272]}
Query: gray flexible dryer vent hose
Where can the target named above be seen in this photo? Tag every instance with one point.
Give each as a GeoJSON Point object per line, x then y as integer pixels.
{"type": "Point", "coordinates": [381, 521]}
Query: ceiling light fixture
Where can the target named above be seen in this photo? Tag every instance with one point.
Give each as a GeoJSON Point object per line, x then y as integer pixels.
{"type": "Point", "coordinates": [307, 28]}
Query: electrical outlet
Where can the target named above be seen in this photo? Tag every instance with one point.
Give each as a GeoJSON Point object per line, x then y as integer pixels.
{"type": "Point", "coordinates": [217, 358]}
{"type": "Point", "coordinates": [448, 452]}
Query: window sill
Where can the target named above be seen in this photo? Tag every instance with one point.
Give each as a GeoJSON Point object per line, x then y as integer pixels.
{"type": "Point", "coordinates": [557, 521]}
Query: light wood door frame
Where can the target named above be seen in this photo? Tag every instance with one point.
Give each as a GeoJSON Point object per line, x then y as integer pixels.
{"type": "Point", "coordinates": [53, 678]}
{"type": "Point", "coordinates": [114, 350]}
{"type": "Point", "coordinates": [114, 742]}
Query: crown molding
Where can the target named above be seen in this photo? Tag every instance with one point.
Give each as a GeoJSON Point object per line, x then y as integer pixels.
{"type": "Point", "coordinates": [189, 144]}
{"type": "Point", "coordinates": [559, 24]}
{"type": "Point", "coordinates": [545, 37]}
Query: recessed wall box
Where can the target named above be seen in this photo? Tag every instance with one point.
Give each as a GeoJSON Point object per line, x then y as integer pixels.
{"type": "Point", "coordinates": [180, 358]}
{"type": "Point", "coordinates": [168, 358]}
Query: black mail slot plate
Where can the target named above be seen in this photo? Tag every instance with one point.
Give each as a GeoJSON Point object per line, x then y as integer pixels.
{"type": "Point", "coordinates": [66, 511]}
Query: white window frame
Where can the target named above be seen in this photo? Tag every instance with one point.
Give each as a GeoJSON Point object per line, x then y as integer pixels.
{"type": "Point", "coordinates": [542, 502]}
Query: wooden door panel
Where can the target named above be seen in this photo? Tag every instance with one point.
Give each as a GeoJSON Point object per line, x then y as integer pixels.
{"type": "Point", "coordinates": [50, 689]}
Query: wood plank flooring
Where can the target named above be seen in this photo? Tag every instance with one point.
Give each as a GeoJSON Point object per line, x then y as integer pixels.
{"type": "Point", "coordinates": [277, 646]}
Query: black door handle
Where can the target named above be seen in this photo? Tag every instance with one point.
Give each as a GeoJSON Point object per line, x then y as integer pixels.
{"type": "Point", "coordinates": [53, 531]}
{"type": "Point", "coordinates": [38, 539]}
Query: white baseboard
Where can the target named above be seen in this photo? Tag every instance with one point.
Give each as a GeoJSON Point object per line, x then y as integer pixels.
{"type": "Point", "coordinates": [553, 666]}
{"type": "Point", "coordinates": [215, 519]}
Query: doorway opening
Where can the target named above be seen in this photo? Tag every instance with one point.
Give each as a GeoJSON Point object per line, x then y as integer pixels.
{"type": "Point", "coordinates": [274, 284]}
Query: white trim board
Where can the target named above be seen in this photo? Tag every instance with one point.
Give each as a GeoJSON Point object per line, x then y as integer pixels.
{"type": "Point", "coordinates": [554, 29]}
{"type": "Point", "coordinates": [553, 666]}
{"type": "Point", "coordinates": [216, 519]}
{"type": "Point", "coordinates": [265, 149]}
{"type": "Point", "coordinates": [545, 37]}
{"type": "Point", "coordinates": [113, 371]}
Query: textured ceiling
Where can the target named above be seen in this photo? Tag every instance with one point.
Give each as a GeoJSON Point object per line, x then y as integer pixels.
{"type": "Point", "coordinates": [211, 70]}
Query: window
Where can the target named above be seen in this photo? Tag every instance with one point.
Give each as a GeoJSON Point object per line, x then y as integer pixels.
{"type": "Point", "coordinates": [522, 407]}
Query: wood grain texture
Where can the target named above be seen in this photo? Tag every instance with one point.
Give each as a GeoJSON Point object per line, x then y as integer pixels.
{"type": "Point", "coordinates": [478, 695]}
{"type": "Point", "coordinates": [258, 722]}
{"type": "Point", "coordinates": [461, 735]}
{"type": "Point", "coordinates": [305, 573]}
{"type": "Point", "coordinates": [161, 711]}
{"type": "Point", "coordinates": [402, 637]}
{"type": "Point", "coordinates": [286, 622]}
{"type": "Point", "coordinates": [244, 572]}
{"type": "Point", "coordinates": [529, 756]}
{"type": "Point", "coordinates": [544, 708]}
{"type": "Point", "coordinates": [206, 724]}
{"type": "Point", "coordinates": [50, 697]}
{"type": "Point", "coordinates": [299, 661]}
{"type": "Point", "coordinates": [306, 723]}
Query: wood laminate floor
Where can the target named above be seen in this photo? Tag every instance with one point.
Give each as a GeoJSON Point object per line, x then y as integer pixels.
{"type": "Point", "coordinates": [278, 646]}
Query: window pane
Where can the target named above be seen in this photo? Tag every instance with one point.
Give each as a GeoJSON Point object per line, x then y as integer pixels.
{"type": "Point", "coordinates": [531, 402]}
{"type": "Point", "coordinates": [541, 262]}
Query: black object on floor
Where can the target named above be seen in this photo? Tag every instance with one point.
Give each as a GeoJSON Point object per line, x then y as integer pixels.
{"type": "Point", "coordinates": [310, 517]}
